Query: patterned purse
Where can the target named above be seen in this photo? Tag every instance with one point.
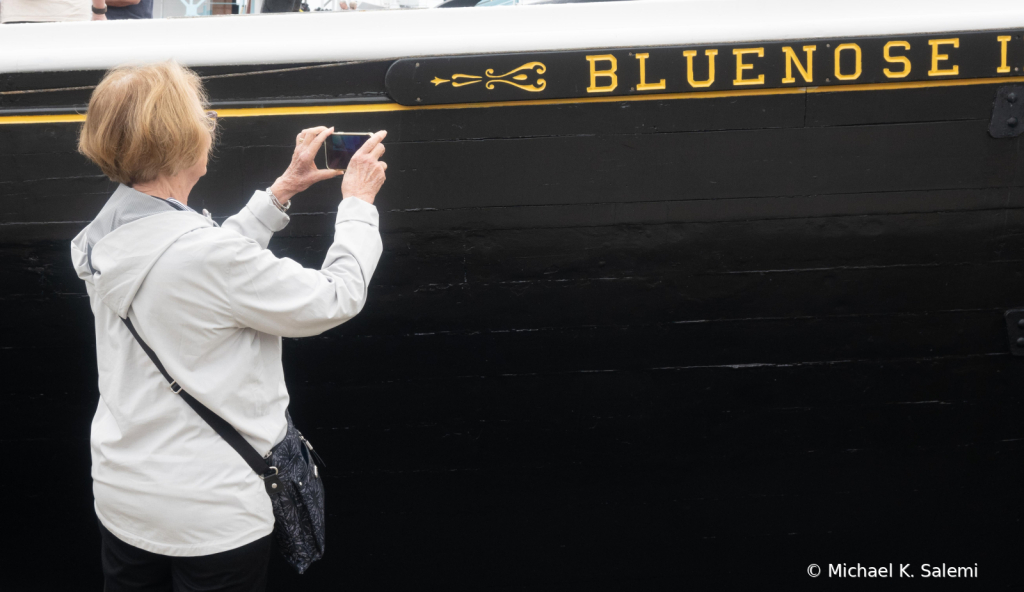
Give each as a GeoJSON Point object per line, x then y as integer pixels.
{"type": "Point", "coordinates": [289, 474]}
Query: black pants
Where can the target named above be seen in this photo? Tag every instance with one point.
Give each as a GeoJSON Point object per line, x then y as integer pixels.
{"type": "Point", "coordinates": [127, 568]}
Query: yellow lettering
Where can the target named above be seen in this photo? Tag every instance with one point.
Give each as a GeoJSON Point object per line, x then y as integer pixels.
{"type": "Point", "coordinates": [857, 57]}
{"type": "Point", "coordinates": [644, 85]}
{"type": "Point", "coordinates": [1003, 67]}
{"type": "Point", "coordinates": [896, 59]}
{"type": "Point", "coordinates": [941, 57]}
{"type": "Point", "coordinates": [792, 60]}
{"type": "Point", "coordinates": [609, 73]}
{"type": "Point", "coordinates": [741, 66]}
{"type": "Point", "coordinates": [690, 54]}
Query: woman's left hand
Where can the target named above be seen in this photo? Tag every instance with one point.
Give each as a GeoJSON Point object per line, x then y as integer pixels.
{"type": "Point", "coordinates": [302, 172]}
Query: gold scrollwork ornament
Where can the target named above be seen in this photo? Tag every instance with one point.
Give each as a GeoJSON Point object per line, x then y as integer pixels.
{"type": "Point", "coordinates": [491, 79]}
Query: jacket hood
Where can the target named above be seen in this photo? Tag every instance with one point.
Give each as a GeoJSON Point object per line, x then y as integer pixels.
{"type": "Point", "coordinates": [119, 262]}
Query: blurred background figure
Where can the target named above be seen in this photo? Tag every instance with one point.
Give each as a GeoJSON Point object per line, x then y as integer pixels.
{"type": "Point", "coordinates": [281, 5]}
{"type": "Point", "coordinates": [308, 5]}
{"type": "Point", "coordinates": [52, 11]}
{"type": "Point", "coordinates": [129, 9]}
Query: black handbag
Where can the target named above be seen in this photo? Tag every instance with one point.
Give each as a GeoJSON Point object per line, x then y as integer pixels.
{"type": "Point", "coordinates": [290, 476]}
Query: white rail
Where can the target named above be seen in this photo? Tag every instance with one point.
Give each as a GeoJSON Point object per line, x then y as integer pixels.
{"type": "Point", "coordinates": [315, 37]}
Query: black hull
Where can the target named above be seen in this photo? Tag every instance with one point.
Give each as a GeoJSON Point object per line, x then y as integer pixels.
{"type": "Point", "coordinates": [621, 345]}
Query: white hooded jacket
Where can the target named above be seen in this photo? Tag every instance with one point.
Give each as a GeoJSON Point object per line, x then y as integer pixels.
{"type": "Point", "coordinates": [213, 303]}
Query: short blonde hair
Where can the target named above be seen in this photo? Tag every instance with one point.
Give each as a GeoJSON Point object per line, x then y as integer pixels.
{"type": "Point", "coordinates": [144, 121]}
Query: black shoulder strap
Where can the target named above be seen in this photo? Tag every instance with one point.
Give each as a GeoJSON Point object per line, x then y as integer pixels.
{"type": "Point", "coordinates": [218, 424]}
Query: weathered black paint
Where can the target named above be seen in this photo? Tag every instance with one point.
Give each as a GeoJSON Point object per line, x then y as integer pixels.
{"type": "Point", "coordinates": [649, 345]}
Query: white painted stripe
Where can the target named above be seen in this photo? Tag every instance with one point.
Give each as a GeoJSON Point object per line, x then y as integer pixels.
{"type": "Point", "coordinates": [291, 38]}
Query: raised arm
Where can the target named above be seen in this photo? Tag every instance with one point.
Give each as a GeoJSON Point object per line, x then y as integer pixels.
{"type": "Point", "coordinates": [259, 219]}
{"type": "Point", "coordinates": [280, 297]}
{"type": "Point", "coordinates": [265, 213]}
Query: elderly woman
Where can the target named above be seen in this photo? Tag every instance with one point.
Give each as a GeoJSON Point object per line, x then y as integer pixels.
{"type": "Point", "coordinates": [177, 505]}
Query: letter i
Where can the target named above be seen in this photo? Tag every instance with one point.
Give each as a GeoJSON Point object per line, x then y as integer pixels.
{"type": "Point", "coordinates": [1003, 41]}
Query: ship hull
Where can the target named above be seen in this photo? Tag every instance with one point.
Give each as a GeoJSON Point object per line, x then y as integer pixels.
{"type": "Point", "coordinates": [609, 344]}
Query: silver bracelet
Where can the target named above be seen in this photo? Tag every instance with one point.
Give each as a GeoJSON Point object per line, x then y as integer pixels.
{"type": "Point", "coordinates": [277, 203]}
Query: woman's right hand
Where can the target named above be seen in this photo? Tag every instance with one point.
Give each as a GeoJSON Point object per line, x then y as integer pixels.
{"type": "Point", "coordinates": [365, 172]}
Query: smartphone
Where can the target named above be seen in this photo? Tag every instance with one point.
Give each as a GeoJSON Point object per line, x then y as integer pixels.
{"type": "Point", "coordinates": [340, 146]}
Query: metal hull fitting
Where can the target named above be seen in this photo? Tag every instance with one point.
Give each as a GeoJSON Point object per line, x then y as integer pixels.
{"type": "Point", "coordinates": [613, 338]}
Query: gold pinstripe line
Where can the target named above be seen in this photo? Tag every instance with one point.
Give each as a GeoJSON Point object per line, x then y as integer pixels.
{"type": "Point", "coordinates": [385, 107]}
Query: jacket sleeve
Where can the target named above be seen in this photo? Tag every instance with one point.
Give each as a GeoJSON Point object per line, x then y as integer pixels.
{"type": "Point", "coordinates": [258, 220]}
{"type": "Point", "coordinates": [280, 297]}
